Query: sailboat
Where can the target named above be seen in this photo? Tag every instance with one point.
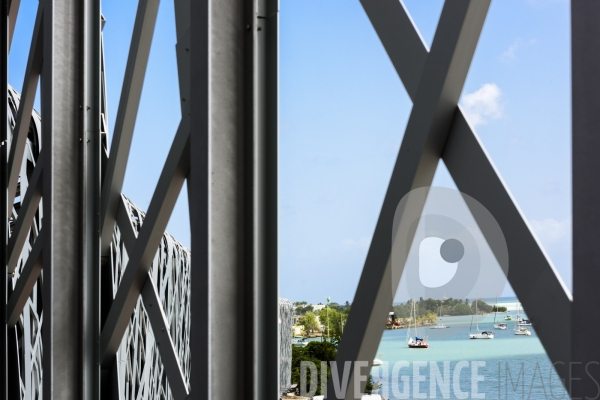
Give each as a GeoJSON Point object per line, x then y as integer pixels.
{"type": "Point", "coordinates": [377, 361]}
{"type": "Point", "coordinates": [500, 325]}
{"type": "Point", "coordinates": [417, 342]}
{"type": "Point", "coordinates": [439, 324]}
{"type": "Point", "coordinates": [480, 334]}
{"type": "Point", "coordinates": [519, 330]}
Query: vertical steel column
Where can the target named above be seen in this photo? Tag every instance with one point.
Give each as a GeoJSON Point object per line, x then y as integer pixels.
{"type": "Point", "coordinates": [3, 194]}
{"type": "Point", "coordinates": [263, 288]}
{"type": "Point", "coordinates": [585, 70]}
{"type": "Point", "coordinates": [90, 186]}
{"type": "Point", "coordinates": [232, 190]}
{"type": "Point", "coordinates": [63, 108]}
{"type": "Point", "coordinates": [198, 199]}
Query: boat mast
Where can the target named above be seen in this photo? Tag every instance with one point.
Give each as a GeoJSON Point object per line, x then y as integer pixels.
{"type": "Point", "coordinates": [476, 318]}
{"type": "Point", "coordinates": [496, 314]}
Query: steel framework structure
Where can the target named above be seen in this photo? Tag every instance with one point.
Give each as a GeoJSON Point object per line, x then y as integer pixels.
{"type": "Point", "coordinates": [103, 280]}
{"type": "Point", "coordinates": [113, 286]}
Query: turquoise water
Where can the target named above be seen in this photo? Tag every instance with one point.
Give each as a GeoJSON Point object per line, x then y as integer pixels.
{"type": "Point", "coordinates": [538, 379]}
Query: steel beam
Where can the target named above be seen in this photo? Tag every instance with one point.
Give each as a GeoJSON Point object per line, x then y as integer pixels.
{"type": "Point", "coordinates": [131, 93]}
{"type": "Point", "coordinates": [199, 188]}
{"type": "Point", "coordinates": [27, 279]}
{"type": "Point", "coordinates": [62, 107]}
{"type": "Point", "coordinates": [263, 160]}
{"type": "Point", "coordinates": [4, 134]}
{"type": "Point", "coordinates": [585, 59]}
{"type": "Point", "coordinates": [128, 234]}
{"type": "Point", "coordinates": [30, 84]}
{"type": "Point", "coordinates": [474, 174]}
{"type": "Point", "coordinates": [531, 274]}
{"type": "Point", "coordinates": [156, 315]}
{"type": "Point", "coordinates": [166, 348]}
{"type": "Point", "coordinates": [439, 89]}
{"type": "Point", "coordinates": [140, 260]}
{"type": "Point", "coordinates": [232, 192]}
{"type": "Point", "coordinates": [13, 10]}
{"type": "Point", "coordinates": [401, 40]}
{"type": "Point", "coordinates": [29, 206]}
{"type": "Point", "coordinates": [90, 191]}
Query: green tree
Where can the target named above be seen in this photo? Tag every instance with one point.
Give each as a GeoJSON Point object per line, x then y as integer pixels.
{"type": "Point", "coordinates": [462, 309]}
{"type": "Point", "coordinates": [316, 352]}
{"type": "Point", "coordinates": [303, 309]}
{"type": "Point", "coordinates": [482, 307]}
{"type": "Point", "coordinates": [309, 320]}
{"type": "Point", "coordinates": [401, 311]}
{"type": "Point", "coordinates": [371, 386]}
{"type": "Point", "coordinates": [336, 320]}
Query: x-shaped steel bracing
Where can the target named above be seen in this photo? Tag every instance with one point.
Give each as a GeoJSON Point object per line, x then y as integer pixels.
{"type": "Point", "coordinates": [437, 128]}
{"type": "Point", "coordinates": [141, 248]}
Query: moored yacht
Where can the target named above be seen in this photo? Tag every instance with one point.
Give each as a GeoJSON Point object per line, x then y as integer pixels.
{"type": "Point", "coordinates": [500, 325]}
{"type": "Point", "coordinates": [378, 361]}
{"type": "Point", "coordinates": [439, 323]}
{"type": "Point", "coordinates": [518, 329]}
{"type": "Point", "coordinates": [480, 334]}
{"type": "Point", "coordinates": [417, 342]}
{"type": "Point", "coordinates": [523, 331]}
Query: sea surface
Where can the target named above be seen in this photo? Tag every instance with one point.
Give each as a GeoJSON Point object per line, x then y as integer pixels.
{"type": "Point", "coordinates": [506, 367]}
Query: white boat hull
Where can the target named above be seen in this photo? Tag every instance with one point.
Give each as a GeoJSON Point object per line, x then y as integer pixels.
{"type": "Point", "coordinates": [525, 332]}
{"type": "Point", "coordinates": [481, 335]}
{"type": "Point", "coordinates": [439, 327]}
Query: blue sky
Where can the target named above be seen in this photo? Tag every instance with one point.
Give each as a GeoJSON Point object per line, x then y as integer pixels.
{"type": "Point", "coordinates": [343, 114]}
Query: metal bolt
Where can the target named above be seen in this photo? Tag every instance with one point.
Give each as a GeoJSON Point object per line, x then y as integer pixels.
{"type": "Point", "coordinates": [259, 28]}
{"type": "Point", "coordinates": [247, 27]}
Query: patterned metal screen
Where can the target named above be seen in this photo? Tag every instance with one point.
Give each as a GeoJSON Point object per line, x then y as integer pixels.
{"type": "Point", "coordinates": [138, 365]}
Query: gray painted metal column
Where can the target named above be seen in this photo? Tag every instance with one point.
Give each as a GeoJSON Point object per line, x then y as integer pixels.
{"type": "Point", "coordinates": [65, 363]}
{"type": "Point", "coordinates": [90, 186]}
{"type": "Point", "coordinates": [3, 195]}
{"type": "Point", "coordinates": [585, 70]}
{"type": "Point", "coordinates": [232, 190]}
{"type": "Point", "coordinates": [262, 159]}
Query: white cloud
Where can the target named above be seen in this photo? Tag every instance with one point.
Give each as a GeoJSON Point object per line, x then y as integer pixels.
{"type": "Point", "coordinates": [510, 54]}
{"type": "Point", "coordinates": [483, 104]}
{"type": "Point", "coordinates": [551, 231]}
{"type": "Point", "coordinates": [356, 244]}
